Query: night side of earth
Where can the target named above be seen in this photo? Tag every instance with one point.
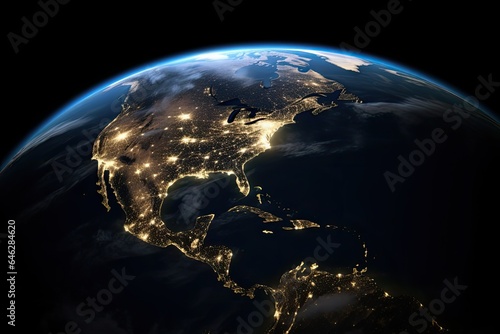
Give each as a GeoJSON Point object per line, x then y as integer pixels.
{"type": "Point", "coordinates": [259, 190]}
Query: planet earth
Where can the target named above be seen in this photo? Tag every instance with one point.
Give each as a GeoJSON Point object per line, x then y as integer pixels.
{"type": "Point", "coordinates": [257, 190]}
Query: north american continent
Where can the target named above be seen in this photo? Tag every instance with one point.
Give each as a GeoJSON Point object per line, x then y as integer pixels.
{"type": "Point", "coordinates": [184, 121]}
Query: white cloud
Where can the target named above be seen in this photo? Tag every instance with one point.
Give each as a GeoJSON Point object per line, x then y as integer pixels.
{"type": "Point", "coordinates": [325, 304]}
{"type": "Point", "coordinates": [324, 147]}
{"type": "Point", "coordinates": [346, 62]}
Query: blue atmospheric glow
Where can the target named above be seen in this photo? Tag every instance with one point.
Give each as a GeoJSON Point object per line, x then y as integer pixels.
{"type": "Point", "coordinates": [228, 49]}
